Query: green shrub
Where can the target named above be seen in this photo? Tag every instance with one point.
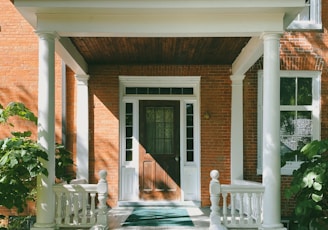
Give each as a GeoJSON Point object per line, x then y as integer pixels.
{"type": "Point", "coordinates": [309, 186]}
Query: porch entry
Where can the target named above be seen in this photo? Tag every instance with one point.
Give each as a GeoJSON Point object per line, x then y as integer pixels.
{"type": "Point", "coordinates": [159, 139]}
{"type": "Point", "coordinates": [159, 153]}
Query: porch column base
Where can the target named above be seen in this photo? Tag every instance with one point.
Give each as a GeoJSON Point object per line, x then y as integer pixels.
{"type": "Point", "coordinates": [272, 227]}
{"type": "Point", "coordinates": [43, 227]}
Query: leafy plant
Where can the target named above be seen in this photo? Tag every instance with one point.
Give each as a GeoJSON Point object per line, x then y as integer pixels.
{"type": "Point", "coordinates": [309, 186]}
{"type": "Point", "coordinates": [63, 162]}
{"type": "Point", "coordinates": [20, 160]}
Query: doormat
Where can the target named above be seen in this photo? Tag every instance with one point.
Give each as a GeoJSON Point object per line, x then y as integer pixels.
{"type": "Point", "coordinates": [163, 216]}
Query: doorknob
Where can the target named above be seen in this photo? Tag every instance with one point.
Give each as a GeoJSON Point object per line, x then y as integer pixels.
{"type": "Point", "coordinates": [177, 158]}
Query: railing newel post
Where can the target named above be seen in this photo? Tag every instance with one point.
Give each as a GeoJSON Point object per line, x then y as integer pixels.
{"type": "Point", "coordinates": [102, 188]}
{"type": "Point", "coordinates": [215, 190]}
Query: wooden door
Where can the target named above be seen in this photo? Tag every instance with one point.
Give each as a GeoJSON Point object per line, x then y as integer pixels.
{"type": "Point", "coordinates": [159, 160]}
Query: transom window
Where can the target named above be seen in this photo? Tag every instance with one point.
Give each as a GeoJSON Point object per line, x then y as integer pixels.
{"type": "Point", "coordinates": [299, 114]}
{"type": "Point", "coordinates": [159, 90]}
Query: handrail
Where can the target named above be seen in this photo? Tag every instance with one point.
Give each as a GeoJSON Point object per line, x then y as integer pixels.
{"type": "Point", "coordinates": [76, 204]}
{"type": "Point", "coordinates": [245, 204]}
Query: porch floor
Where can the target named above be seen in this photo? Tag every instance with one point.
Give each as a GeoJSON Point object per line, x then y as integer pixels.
{"type": "Point", "coordinates": [199, 217]}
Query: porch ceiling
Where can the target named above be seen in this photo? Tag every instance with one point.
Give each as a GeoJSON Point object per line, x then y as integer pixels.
{"type": "Point", "coordinates": [175, 51]}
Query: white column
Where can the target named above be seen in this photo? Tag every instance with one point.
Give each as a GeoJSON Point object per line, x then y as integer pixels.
{"type": "Point", "coordinates": [271, 136]}
{"type": "Point", "coordinates": [237, 148]}
{"type": "Point", "coordinates": [45, 215]}
{"type": "Point", "coordinates": [82, 126]}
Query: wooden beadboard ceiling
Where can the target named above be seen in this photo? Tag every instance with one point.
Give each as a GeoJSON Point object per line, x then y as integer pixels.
{"type": "Point", "coordinates": [175, 51]}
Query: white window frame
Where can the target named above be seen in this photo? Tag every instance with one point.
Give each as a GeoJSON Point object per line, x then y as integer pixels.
{"type": "Point", "coordinates": [314, 22]}
{"type": "Point", "coordinates": [315, 108]}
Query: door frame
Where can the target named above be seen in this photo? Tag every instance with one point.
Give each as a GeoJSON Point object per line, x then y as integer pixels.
{"type": "Point", "coordinates": [129, 169]}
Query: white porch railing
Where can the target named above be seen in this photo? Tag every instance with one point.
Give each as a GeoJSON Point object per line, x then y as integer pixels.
{"type": "Point", "coordinates": [76, 204]}
{"type": "Point", "coordinates": [245, 208]}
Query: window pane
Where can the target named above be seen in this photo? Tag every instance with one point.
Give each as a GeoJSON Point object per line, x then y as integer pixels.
{"type": "Point", "coordinates": [190, 155]}
{"type": "Point", "coordinates": [176, 90]}
{"type": "Point", "coordinates": [304, 91]}
{"type": "Point", "coordinates": [303, 124]}
{"type": "Point", "coordinates": [159, 130]}
{"type": "Point", "coordinates": [287, 122]}
{"type": "Point", "coordinates": [190, 132]}
{"type": "Point", "coordinates": [128, 155]}
{"type": "Point", "coordinates": [128, 131]}
{"type": "Point", "coordinates": [287, 91]}
{"type": "Point", "coordinates": [128, 108]}
{"type": "Point", "coordinates": [128, 120]}
{"type": "Point", "coordinates": [128, 143]}
{"type": "Point", "coordinates": [190, 109]}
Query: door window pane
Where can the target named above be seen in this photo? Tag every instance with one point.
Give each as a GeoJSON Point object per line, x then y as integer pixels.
{"type": "Point", "coordinates": [159, 130]}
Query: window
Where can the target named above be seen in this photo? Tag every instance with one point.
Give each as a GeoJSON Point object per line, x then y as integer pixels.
{"type": "Point", "coordinates": [299, 114]}
{"type": "Point", "coordinates": [190, 132]}
{"type": "Point", "coordinates": [309, 18]}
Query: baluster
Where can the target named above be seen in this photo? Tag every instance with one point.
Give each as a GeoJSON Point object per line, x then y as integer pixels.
{"type": "Point", "coordinates": [76, 207]}
{"type": "Point", "coordinates": [92, 208]}
{"type": "Point", "coordinates": [68, 207]}
{"type": "Point", "coordinates": [59, 207]}
{"type": "Point", "coordinates": [249, 208]}
{"type": "Point", "coordinates": [258, 208]}
{"type": "Point", "coordinates": [233, 217]}
{"type": "Point", "coordinates": [241, 210]}
{"type": "Point", "coordinates": [84, 207]}
{"type": "Point", "coordinates": [224, 196]}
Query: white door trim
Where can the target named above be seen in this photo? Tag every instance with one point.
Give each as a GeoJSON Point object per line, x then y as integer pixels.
{"type": "Point", "coordinates": [129, 170]}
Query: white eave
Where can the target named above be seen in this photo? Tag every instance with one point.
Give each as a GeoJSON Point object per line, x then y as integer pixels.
{"type": "Point", "coordinates": [161, 18]}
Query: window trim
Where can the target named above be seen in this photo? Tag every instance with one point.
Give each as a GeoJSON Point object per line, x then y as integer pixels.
{"type": "Point", "coordinates": [316, 91]}
{"type": "Point", "coordinates": [315, 22]}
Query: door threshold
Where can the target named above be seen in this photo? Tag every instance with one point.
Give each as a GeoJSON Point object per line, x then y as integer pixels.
{"type": "Point", "coordinates": [159, 203]}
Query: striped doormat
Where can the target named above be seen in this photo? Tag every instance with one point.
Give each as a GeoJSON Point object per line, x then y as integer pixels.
{"type": "Point", "coordinates": [159, 216]}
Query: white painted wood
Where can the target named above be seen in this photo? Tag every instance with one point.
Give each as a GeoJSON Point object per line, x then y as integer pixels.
{"type": "Point", "coordinates": [46, 129]}
{"type": "Point", "coordinates": [190, 185]}
{"type": "Point", "coordinates": [237, 137]}
{"type": "Point", "coordinates": [245, 204]}
{"type": "Point", "coordinates": [248, 56]}
{"type": "Point", "coordinates": [71, 56]}
{"type": "Point", "coordinates": [82, 128]}
{"type": "Point", "coordinates": [160, 18]}
{"type": "Point", "coordinates": [271, 132]}
{"type": "Point", "coordinates": [73, 212]}
{"type": "Point", "coordinates": [128, 184]}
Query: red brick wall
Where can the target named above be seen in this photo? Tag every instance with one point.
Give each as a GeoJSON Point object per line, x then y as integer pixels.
{"type": "Point", "coordinates": [104, 124]}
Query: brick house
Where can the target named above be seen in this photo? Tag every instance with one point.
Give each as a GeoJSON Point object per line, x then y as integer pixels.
{"type": "Point", "coordinates": [99, 75]}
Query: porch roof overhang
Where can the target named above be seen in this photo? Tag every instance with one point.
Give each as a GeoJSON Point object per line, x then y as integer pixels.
{"type": "Point", "coordinates": [238, 21]}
